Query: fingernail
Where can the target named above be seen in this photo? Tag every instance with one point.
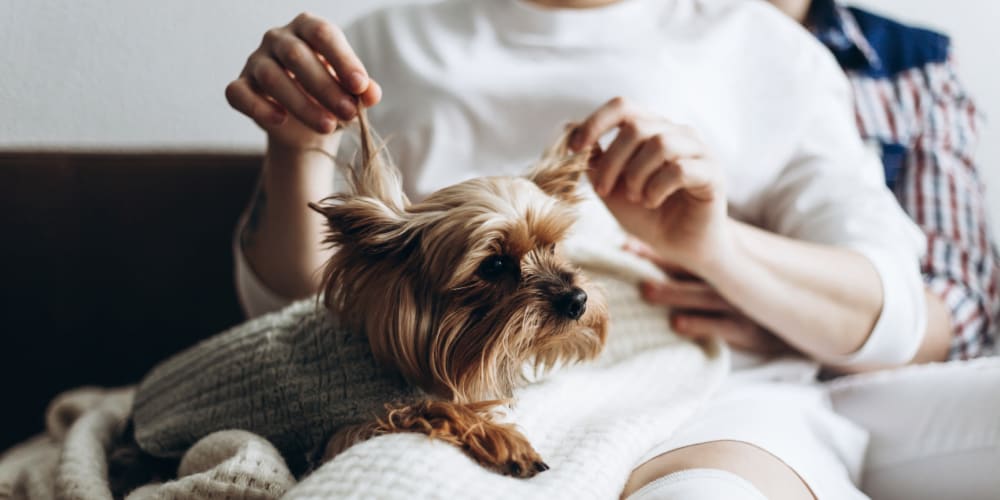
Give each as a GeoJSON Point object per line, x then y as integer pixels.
{"type": "Point", "coordinates": [358, 82]}
{"type": "Point", "coordinates": [277, 117]}
{"type": "Point", "coordinates": [328, 125]}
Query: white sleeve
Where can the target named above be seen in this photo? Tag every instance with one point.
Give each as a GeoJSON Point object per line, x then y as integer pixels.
{"type": "Point", "coordinates": [832, 192]}
{"type": "Point", "coordinates": [254, 296]}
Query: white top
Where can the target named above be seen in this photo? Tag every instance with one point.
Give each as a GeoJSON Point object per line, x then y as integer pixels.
{"type": "Point", "coordinates": [481, 87]}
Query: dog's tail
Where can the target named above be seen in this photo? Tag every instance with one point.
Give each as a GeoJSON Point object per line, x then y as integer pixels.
{"type": "Point", "coordinates": [129, 467]}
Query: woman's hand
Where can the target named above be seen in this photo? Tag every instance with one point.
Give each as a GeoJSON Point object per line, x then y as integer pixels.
{"type": "Point", "coordinates": [301, 83]}
{"type": "Point", "coordinates": [659, 181]}
{"type": "Point", "coordinates": [699, 312]}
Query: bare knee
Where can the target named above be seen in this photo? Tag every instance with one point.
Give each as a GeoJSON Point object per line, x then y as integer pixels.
{"type": "Point", "coordinates": [765, 472]}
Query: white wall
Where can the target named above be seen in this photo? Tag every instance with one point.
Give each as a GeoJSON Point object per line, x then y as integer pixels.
{"type": "Point", "coordinates": [143, 75]}
{"type": "Point", "coordinates": [131, 74]}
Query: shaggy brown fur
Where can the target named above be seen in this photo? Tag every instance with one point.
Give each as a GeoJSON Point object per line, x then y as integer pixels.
{"type": "Point", "coordinates": [459, 292]}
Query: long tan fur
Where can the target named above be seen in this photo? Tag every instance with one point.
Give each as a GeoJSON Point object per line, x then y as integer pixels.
{"type": "Point", "coordinates": [411, 277]}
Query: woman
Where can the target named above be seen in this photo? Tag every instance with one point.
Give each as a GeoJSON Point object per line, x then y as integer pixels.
{"type": "Point", "coordinates": [910, 104]}
{"type": "Point", "coordinates": [765, 191]}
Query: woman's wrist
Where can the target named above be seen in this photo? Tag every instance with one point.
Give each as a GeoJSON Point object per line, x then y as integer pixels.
{"type": "Point", "coordinates": [304, 153]}
{"type": "Point", "coordinates": [301, 168]}
{"type": "Point", "coordinates": [716, 259]}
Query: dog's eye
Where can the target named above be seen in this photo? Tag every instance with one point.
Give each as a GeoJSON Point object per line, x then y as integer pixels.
{"type": "Point", "coordinates": [494, 267]}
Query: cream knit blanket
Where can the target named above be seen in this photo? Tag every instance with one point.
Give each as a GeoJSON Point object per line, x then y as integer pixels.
{"type": "Point", "coordinates": [590, 423]}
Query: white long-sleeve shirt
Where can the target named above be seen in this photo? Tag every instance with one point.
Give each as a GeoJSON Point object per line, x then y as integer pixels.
{"type": "Point", "coordinates": [481, 87]}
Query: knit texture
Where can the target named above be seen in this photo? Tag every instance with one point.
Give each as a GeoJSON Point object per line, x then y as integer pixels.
{"type": "Point", "coordinates": [292, 377]}
{"type": "Point", "coordinates": [225, 465]}
{"type": "Point", "coordinates": [70, 460]}
{"type": "Point", "coordinates": [591, 423]}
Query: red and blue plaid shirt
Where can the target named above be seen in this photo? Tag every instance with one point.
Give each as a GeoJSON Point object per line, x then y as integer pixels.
{"type": "Point", "coordinates": [910, 104]}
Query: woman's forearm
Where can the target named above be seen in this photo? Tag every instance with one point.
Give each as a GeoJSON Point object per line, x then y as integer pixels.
{"type": "Point", "coordinates": [282, 237]}
{"type": "Point", "coordinates": [822, 300]}
{"type": "Point", "coordinates": [934, 346]}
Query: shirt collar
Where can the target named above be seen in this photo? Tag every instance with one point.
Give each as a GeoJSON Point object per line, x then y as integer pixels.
{"type": "Point", "coordinates": [836, 27]}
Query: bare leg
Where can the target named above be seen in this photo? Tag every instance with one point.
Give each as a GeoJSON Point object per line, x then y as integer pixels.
{"type": "Point", "coordinates": [765, 471]}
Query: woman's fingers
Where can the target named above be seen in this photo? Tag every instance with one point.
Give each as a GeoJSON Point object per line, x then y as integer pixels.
{"type": "Point", "coordinates": [329, 41]}
{"type": "Point", "coordinates": [601, 121]}
{"type": "Point", "coordinates": [372, 95]}
{"type": "Point", "coordinates": [609, 165]}
{"type": "Point", "coordinates": [649, 156]}
{"type": "Point", "coordinates": [689, 295]}
{"type": "Point", "coordinates": [666, 162]}
{"type": "Point", "coordinates": [738, 331]}
{"type": "Point", "coordinates": [245, 100]}
{"type": "Point", "coordinates": [648, 160]}
{"type": "Point", "coordinates": [274, 81]}
{"type": "Point", "coordinates": [309, 70]}
{"type": "Point", "coordinates": [700, 326]}
{"type": "Point", "coordinates": [661, 185]}
{"type": "Point", "coordinates": [312, 75]}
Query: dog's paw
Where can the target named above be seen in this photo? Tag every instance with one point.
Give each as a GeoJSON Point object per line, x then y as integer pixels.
{"type": "Point", "coordinates": [505, 450]}
{"type": "Point", "coordinates": [496, 446]}
{"type": "Point", "coordinates": [524, 467]}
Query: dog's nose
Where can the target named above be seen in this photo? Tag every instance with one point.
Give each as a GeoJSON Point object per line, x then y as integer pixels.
{"type": "Point", "coordinates": [573, 303]}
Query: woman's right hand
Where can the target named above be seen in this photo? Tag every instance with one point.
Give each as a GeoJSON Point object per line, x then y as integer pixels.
{"type": "Point", "coordinates": [301, 83]}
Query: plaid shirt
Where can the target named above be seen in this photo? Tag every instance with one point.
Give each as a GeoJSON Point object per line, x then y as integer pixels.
{"type": "Point", "coordinates": [910, 104]}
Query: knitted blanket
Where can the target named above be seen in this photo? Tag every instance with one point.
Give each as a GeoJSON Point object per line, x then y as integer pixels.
{"type": "Point", "coordinates": [591, 423]}
{"type": "Point", "coordinates": [294, 377]}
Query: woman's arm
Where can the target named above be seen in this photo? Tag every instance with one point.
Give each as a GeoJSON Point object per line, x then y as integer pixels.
{"type": "Point", "coordinates": [791, 286]}
{"type": "Point", "coordinates": [281, 238]}
{"type": "Point", "coordinates": [836, 273]}
{"type": "Point", "coordinates": [698, 311]}
{"type": "Point", "coordinates": [794, 286]}
{"type": "Point", "coordinates": [300, 84]}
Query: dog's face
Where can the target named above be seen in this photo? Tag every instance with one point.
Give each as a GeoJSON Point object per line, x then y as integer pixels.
{"type": "Point", "coordinates": [459, 291]}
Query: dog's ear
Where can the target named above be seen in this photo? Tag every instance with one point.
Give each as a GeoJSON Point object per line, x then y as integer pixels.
{"type": "Point", "coordinates": [559, 170]}
{"type": "Point", "coordinates": [363, 223]}
{"type": "Point", "coordinates": [376, 176]}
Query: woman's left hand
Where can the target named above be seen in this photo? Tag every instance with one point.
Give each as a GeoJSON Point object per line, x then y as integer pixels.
{"type": "Point", "coordinates": [659, 181]}
{"type": "Point", "coordinates": [698, 311]}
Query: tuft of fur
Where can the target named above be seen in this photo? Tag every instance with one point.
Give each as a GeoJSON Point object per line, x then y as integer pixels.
{"type": "Point", "coordinates": [411, 277]}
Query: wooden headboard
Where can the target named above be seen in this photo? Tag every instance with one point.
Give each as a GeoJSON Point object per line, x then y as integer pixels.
{"type": "Point", "coordinates": [109, 263]}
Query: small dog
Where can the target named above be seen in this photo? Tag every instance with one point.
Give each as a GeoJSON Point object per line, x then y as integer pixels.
{"type": "Point", "coordinates": [458, 293]}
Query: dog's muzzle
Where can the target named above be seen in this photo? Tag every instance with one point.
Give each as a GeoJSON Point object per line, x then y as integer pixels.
{"type": "Point", "coordinates": [572, 304]}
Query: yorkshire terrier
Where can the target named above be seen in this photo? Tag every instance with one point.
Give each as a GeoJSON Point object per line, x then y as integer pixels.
{"type": "Point", "coordinates": [449, 303]}
{"type": "Point", "coordinates": [459, 293]}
